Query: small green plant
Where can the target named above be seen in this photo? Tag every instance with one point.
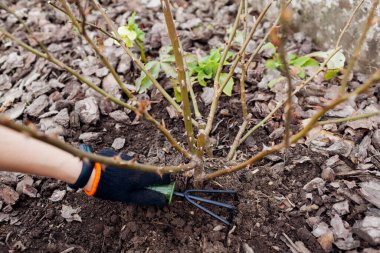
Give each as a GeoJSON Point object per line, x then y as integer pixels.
{"type": "Point", "coordinates": [203, 69]}
{"type": "Point", "coordinates": [200, 69]}
{"type": "Point", "coordinates": [335, 65]}
{"type": "Point", "coordinates": [165, 63]}
{"type": "Point", "coordinates": [297, 63]}
{"type": "Point", "coordinates": [131, 34]}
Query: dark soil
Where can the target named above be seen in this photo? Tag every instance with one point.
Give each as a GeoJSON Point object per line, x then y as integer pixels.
{"type": "Point", "coordinates": [114, 227]}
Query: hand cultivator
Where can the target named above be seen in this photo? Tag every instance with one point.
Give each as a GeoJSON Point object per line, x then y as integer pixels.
{"type": "Point", "coordinates": [189, 196]}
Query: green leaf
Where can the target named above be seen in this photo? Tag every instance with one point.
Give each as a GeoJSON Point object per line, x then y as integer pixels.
{"type": "Point", "coordinates": [290, 57]}
{"type": "Point", "coordinates": [273, 64]}
{"type": "Point", "coordinates": [331, 73]}
{"type": "Point", "coordinates": [267, 46]}
{"type": "Point", "coordinates": [201, 78]}
{"type": "Point", "coordinates": [301, 73]}
{"type": "Point", "coordinates": [337, 61]}
{"type": "Point", "coordinates": [275, 81]}
{"type": "Point", "coordinates": [143, 82]}
{"type": "Point", "coordinates": [311, 63]}
{"type": "Point", "coordinates": [169, 70]}
{"type": "Point", "coordinates": [229, 86]}
{"type": "Point", "coordinates": [177, 90]}
{"type": "Point", "coordinates": [229, 55]}
{"type": "Point", "coordinates": [304, 61]}
{"type": "Point", "coordinates": [165, 55]}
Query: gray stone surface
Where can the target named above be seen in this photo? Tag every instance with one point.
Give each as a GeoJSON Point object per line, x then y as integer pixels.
{"type": "Point", "coordinates": [324, 19]}
{"type": "Point", "coordinates": [88, 110]}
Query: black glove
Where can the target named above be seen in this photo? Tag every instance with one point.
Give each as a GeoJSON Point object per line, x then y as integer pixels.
{"type": "Point", "coordinates": [124, 185]}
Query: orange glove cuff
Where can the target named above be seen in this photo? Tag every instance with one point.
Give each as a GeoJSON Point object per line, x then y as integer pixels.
{"type": "Point", "coordinates": [94, 187]}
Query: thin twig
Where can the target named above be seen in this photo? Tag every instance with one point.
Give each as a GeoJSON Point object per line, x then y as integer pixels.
{"type": "Point", "coordinates": [214, 105]}
{"type": "Point", "coordinates": [168, 135]}
{"type": "Point", "coordinates": [281, 103]}
{"type": "Point", "coordinates": [97, 50]}
{"type": "Point", "coordinates": [311, 124]}
{"type": "Point", "coordinates": [30, 32]}
{"type": "Point", "coordinates": [62, 65]}
{"type": "Point", "coordinates": [228, 46]}
{"type": "Point", "coordinates": [186, 109]}
{"type": "Point", "coordinates": [351, 118]}
{"type": "Point", "coordinates": [348, 23]}
{"type": "Point", "coordinates": [358, 48]}
{"type": "Point", "coordinates": [102, 92]}
{"type": "Point", "coordinates": [136, 60]}
{"type": "Point", "coordinates": [284, 21]}
{"type": "Point", "coordinates": [258, 48]}
{"type": "Point", "coordinates": [110, 161]}
{"type": "Point", "coordinates": [243, 65]}
{"type": "Point", "coordinates": [236, 142]}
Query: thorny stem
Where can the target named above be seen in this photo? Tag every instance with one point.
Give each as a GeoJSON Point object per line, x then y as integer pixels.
{"type": "Point", "coordinates": [284, 20]}
{"type": "Point", "coordinates": [358, 48]}
{"type": "Point", "coordinates": [313, 121]}
{"type": "Point", "coordinates": [281, 103]}
{"type": "Point", "coordinates": [186, 109]}
{"type": "Point", "coordinates": [351, 118]}
{"type": "Point", "coordinates": [235, 144]}
{"type": "Point", "coordinates": [134, 59]}
{"type": "Point", "coordinates": [110, 161]}
{"type": "Point", "coordinates": [218, 93]}
{"type": "Point", "coordinates": [348, 23]}
{"type": "Point", "coordinates": [228, 46]}
{"type": "Point", "coordinates": [97, 50]}
{"type": "Point", "coordinates": [102, 92]}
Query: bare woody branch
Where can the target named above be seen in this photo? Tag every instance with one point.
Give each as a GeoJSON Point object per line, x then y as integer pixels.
{"type": "Point", "coordinates": [243, 65]}
{"type": "Point", "coordinates": [139, 64]}
{"type": "Point", "coordinates": [228, 46]}
{"type": "Point", "coordinates": [348, 23]}
{"type": "Point", "coordinates": [111, 161]}
{"type": "Point", "coordinates": [285, 21]}
{"type": "Point", "coordinates": [214, 105]}
{"type": "Point", "coordinates": [313, 121]}
{"type": "Point", "coordinates": [109, 35]}
{"type": "Point", "coordinates": [347, 119]}
{"type": "Point", "coordinates": [186, 109]}
{"type": "Point", "coordinates": [281, 103]}
{"type": "Point", "coordinates": [102, 92]}
{"type": "Point", "coordinates": [30, 32]}
{"type": "Point", "coordinates": [104, 60]}
{"type": "Point", "coordinates": [358, 48]}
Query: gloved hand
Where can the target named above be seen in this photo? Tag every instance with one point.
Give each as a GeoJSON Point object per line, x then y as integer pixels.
{"type": "Point", "coordinates": [125, 185]}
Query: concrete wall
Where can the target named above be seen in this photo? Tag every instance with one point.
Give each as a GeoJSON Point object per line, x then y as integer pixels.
{"type": "Point", "coordinates": [323, 20]}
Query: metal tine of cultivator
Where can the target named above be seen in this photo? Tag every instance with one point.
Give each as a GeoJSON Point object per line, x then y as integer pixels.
{"type": "Point", "coordinates": [191, 198]}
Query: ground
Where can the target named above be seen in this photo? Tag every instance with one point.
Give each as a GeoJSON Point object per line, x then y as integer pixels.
{"type": "Point", "coordinates": [315, 194]}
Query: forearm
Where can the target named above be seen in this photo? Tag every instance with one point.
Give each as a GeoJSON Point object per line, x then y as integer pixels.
{"type": "Point", "coordinates": [20, 153]}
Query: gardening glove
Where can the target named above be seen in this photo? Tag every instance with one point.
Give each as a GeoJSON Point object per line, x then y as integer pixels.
{"type": "Point", "coordinates": [125, 185]}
